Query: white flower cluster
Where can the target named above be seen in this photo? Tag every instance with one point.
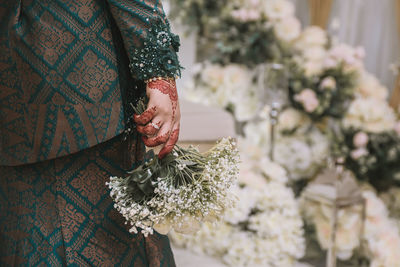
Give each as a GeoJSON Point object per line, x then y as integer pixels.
{"type": "Point", "coordinates": [371, 115]}
{"type": "Point", "coordinates": [225, 86]}
{"type": "Point", "coordinates": [348, 228]}
{"type": "Point", "coordinates": [380, 232]}
{"type": "Point", "coordinates": [252, 233]}
{"type": "Point", "coordinates": [370, 111]}
{"type": "Point", "coordinates": [183, 207]}
{"type": "Point", "coordinates": [301, 152]}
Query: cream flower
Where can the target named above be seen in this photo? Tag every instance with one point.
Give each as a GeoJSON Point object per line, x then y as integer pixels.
{"type": "Point", "coordinates": [273, 171]}
{"type": "Point", "coordinates": [247, 108]}
{"type": "Point", "coordinates": [278, 9]}
{"type": "Point", "coordinates": [312, 36]}
{"type": "Point", "coordinates": [245, 14]}
{"type": "Point", "coordinates": [213, 75]}
{"type": "Point", "coordinates": [313, 68]}
{"type": "Point", "coordinates": [343, 53]}
{"type": "Point", "coordinates": [314, 54]}
{"type": "Point", "coordinates": [328, 83]}
{"type": "Point", "coordinates": [288, 29]}
{"type": "Point", "coordinates": [248, 174]}
{"type": "Point", "coordinates": [371, 115]}
{"type": "Point", "coordinates": [369, 86]}
{"type": "Point", "coordinates": [291, 118]}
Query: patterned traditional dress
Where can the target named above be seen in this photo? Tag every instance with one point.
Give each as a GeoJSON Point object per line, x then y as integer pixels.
{"type": "Point", "coordinates": [69, 70]}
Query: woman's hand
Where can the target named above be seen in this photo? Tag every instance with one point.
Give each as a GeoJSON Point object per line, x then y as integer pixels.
{"type": "Point", "coordinates": [160, 123]}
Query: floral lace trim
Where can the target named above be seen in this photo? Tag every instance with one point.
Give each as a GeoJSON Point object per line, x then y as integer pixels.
{"type": "Point", "coordinates": [158, 55]}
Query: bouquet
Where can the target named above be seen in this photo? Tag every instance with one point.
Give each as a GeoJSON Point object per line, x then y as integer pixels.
{"type": "Point", "coordinates": [179, 191]}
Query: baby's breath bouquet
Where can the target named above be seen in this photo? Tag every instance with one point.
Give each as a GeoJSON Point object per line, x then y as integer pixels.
{"type": "Point", "coordinates": [179, 191]}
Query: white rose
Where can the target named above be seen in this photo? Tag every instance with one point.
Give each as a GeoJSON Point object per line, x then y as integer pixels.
{"type": "Point", "coordinates": [290, 119]}
{"type": "Point", "coordinates": [245, 14]}
{"type": "Point", "coordinates": [246, 109]}
{"type": "Point", "coordinates": [314, 54]}
{"type": "Point", "coordinates": [258, 133]}
{"type": "Point", "coordinates": [213, 75]}
{"type": "Point", "coordinates": [295, 155]}
{"type": "Point", "coordinates": [288, 29]}
{"type": "Point", "coordinates": [278, 9]}
{"type": "Point", "coordinates": [369, 86]}
{"type": "Point", "coordinates": [375, 206]}
{"type": "Point", "coordinates": [237, 76]}
{"type": "Point", "coordinates": [313, 68]}
{"type": "Point", "coordinates": [310, 37]}
{"type": "Point", "coordinates": [371, 115]}
{"type": "Point", "coordinates": [248, 175]}
{"type": "Point", "coordinates": [222, 96]}
{"type": "Point", "coordinates": [273, 170]}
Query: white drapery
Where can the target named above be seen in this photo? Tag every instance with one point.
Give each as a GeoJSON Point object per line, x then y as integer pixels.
{"type": "Point", "coordinates": [369, 23]}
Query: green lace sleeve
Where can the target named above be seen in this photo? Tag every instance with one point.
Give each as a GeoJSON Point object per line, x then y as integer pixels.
{"type": "Point", "coordinates": [158, 55]}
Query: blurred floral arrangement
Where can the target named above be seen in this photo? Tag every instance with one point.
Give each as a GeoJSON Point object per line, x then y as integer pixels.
{"type": "Point", "coordinates": [334, 107]}
{"type": "Point", "coordinates": [381, 234]}
{"type": "Point", "coordinates": [252, 234]}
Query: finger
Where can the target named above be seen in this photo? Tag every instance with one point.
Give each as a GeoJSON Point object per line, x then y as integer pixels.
{"type": "Point", "coordinates": [149, 129]}
{"type": "Point", "coordinates": [146, 116]}
{"type": "Point", "coordinates": [160, 139]}
{"type": "Point", "coordinates": [169, 146]}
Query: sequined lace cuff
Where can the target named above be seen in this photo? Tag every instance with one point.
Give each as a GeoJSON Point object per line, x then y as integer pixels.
{"type": "Point", "coordinates": [158, 55]}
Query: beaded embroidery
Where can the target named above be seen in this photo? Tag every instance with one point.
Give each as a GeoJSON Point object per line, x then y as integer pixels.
{"type": "Point", "coordinates": [157, 57]}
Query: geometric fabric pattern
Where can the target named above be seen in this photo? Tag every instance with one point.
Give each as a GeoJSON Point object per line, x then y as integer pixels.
{"type": "Point", "coordinates": [64, 73]}
{"type": "Point", "coordinates": [59, 212]}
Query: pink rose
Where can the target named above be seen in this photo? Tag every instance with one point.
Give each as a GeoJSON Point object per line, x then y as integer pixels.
{"type": "Point", "coordinates": [360, 139]}
{"type": "Point", "coordinates": [308, 99]}
{"type": "Point", "coordinates": [358, 153]}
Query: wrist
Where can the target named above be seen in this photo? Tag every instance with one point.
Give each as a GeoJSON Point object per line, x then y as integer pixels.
{"type": "Point", "coordinates": [154, 79]}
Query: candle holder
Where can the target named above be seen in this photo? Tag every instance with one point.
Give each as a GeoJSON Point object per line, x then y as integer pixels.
{"type": "Point", "coordinates": [273, 84]}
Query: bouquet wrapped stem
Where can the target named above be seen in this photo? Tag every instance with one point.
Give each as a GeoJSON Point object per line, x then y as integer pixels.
{"type": "Point", "coordinates": [178, 191]}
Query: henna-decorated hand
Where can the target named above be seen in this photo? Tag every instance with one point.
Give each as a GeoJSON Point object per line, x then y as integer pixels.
{"type": "Point", "coordinates": [159, 124]}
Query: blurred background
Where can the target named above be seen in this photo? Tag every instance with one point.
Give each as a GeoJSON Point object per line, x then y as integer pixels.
{"type": "Point", "coordinates": [310, 89]}
{"type": "Point", "coordinates": [371, 24]}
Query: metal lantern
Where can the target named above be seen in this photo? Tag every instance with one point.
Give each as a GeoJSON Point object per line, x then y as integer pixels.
{"type": "Point", "coordinates": [337, 188]}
